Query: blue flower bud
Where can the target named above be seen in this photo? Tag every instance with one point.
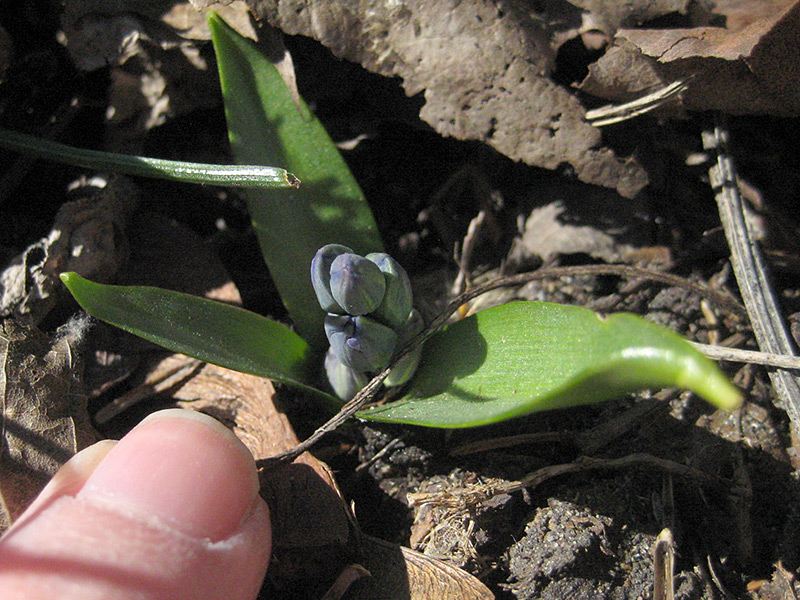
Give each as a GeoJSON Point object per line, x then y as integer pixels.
{"type": "Point", "coordinates": [407, 366]}
{"type": "Point", "coordinates": [321, 276]}
{"type": "Point", "coordinates": [346, 382]}
{"type": "Point", "coordinates": [359, 342]}
{"type": "Point", "coordinates": [357, 284]}
{"type": "Point", "coordinates": [396, 303]}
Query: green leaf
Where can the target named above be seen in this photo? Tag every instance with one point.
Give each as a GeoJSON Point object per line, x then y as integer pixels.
{"type": "Point", "coordinates": [267, 127]}
{"type": "Point", "coordinates": [526, 357]}
{"type": "Point", "coordinates": [188, 172]}
{"type": "Point", "coordinates": [214, 332]}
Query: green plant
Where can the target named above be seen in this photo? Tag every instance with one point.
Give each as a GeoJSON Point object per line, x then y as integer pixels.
{"type": "Point", "coordinates": [501, 363]}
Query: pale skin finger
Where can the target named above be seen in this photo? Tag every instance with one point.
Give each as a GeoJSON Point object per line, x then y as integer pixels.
{"type": "Point", "coordinates": [171, 511]}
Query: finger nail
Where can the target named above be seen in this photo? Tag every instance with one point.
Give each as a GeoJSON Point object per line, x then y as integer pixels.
{"type": "Point", "coordinates": [180, 467]}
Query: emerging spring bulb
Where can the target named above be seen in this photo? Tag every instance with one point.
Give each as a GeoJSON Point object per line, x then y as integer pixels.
{"type": "Point", "coordinates": [370, 316]}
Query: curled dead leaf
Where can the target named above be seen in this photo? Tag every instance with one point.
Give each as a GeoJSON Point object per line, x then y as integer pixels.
{"type": "Point", "coordinates": [86, 237]}
{"type": "Point", "coordinates": [44, 419]}
{"type": "Point", "coordinates": [156, 68]}
{"type": "Point", "coordinates": [748, 67]}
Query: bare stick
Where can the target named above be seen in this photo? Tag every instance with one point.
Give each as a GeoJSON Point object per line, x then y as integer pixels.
{"type": "Point", "coordinates": [782, 361]}
{"type": "Point", "coordinates": [751, 271]}
{"type": "Point", "coordinates": [664, 566]}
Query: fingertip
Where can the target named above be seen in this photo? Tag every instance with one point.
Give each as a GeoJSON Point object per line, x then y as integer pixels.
{"type": "Point", "coordinates": [180, 466]}
{"type": "Point", "coordinates": [171, 511]}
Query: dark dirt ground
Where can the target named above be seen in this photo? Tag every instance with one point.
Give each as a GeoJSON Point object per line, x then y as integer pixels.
{"type": "Point", "coordinates": [584, 534]}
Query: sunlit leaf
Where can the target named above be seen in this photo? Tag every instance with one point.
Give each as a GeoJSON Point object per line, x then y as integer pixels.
{"type": "Point", "coordinates": [218, 333]}
{"type": "Point", "coordinates": [265, 126]}
{"type": "Point", "coordinates": [526, 357]}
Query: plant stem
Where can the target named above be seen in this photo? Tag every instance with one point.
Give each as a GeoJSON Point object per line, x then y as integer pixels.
{"type": "Point", "coordinates": [250, 176]}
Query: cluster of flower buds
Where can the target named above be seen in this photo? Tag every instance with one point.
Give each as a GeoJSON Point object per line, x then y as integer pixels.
{"type": "Point", "coordinates": [368, 301]}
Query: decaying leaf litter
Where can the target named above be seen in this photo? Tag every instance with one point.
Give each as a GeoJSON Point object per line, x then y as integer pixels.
{"type": "Point", "coordinates": [525, 513]}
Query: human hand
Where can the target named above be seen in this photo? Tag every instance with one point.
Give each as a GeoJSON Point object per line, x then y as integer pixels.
{"type": "Point", "coordinates": [171, 511]}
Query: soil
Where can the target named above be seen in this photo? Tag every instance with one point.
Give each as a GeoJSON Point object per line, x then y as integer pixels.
{"type": "Point", "coordinates": [583, 533]}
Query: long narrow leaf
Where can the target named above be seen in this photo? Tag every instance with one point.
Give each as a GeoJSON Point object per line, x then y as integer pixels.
{"type": "Point", "coordinates": [211, 331]}
{"type": "Point", "coordinates": [266, 127]}
{"type": "Point", "coordinates": [526, 357]}
{"type": "Point", "coordinates": [227, 175]}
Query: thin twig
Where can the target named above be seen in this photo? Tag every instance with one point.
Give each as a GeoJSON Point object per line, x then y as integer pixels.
{"type": "Point", "coordinates": [477, 494]}
{"type": "Point", "coordinates": [722, 300]}
{"type": "Point", "coordinates": [664, 566]}
{"type": "Point", "coordinates": [640, 459]}
{"type": "Point", "coordinates": [378, 455]}
{"type": "Point", "coordinates": [782, 361]}
{"type": "Point", "coordinates": [467, 248]}
{"type": "Point", "coordinates": [751, 270]}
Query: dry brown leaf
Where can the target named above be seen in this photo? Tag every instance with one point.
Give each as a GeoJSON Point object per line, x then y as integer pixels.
{"type": "Point", "coordinates": [483, 68]}
{"type": "Point", "coordinates": [753, 69]}
{"type": "Point", "coordinates": [44, 418]}
{"type": "Point", "coordinates": [409, 575]}
{"type": "Point", "coordinates": [44, 407]}
{"type": "Point", "coordinates": [157, 70]}
{"type": "Point", "coordinates": [191, 24]}
{"type": "Point", "coordinates": [87, 237]}
{"type": "Point", "coordinates": [546, 236]}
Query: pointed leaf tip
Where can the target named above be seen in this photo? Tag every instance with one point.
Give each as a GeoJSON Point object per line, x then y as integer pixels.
{"type": "Point", "coordinates": [527, 357]}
